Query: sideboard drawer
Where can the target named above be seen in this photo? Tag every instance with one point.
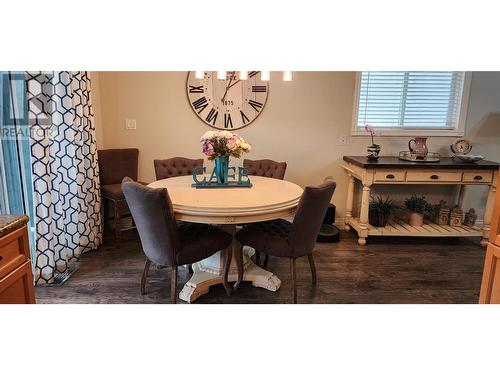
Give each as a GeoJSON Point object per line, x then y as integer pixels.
{"type": "Point", "coordinates": [388, 175]}
{"type": "Point", "coordinates": [479, 176]}
{"type": "Point", "coordinates": [14, 251]}
{"type": "Point", "coordinates": [17, 286]}
{"type": "Point", "coordinates": [430, 176]}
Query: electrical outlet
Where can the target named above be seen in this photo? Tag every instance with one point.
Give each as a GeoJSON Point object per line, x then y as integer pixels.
{"type": "Point", "coordinates": [130, 124]}
{"type": "Point", "coordinates": [342, 141]}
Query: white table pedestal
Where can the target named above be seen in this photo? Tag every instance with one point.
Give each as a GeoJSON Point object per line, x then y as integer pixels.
{"type": "Point", "coordinates": [210, 272]}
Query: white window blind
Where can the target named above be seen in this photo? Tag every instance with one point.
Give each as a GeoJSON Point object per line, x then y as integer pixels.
{"type": "Point", "coordinates": [410, 100]}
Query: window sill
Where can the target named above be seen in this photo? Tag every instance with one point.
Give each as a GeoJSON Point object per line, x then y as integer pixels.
{"type": "Point", "coordinates": [410, 133]}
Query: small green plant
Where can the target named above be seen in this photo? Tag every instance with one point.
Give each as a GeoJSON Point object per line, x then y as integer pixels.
{"type": "Point", "coordinates": [383, 206]}
{"type": "Point", "coordinates": [380, 210]}
{"type": "Point", "coordinates": [419, 205]}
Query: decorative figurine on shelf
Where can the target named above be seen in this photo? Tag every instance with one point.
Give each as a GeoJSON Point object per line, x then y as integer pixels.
{"type": "Point", "coordinates": [219, 146]}
{"type": "Point", "coordinates": [456, 217]}
{"type": "Point", "coordinates": [443, 213]}
{"type": "Point", "coordinates": [470, 218]}
{"type": "Point", "coordinates": [374, 149]}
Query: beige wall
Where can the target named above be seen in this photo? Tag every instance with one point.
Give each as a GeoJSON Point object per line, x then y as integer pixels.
{"type": "Point", "coordinates": [301, 124]}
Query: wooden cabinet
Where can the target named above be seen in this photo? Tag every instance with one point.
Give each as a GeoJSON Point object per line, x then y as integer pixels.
{"type": "Point", "coordinates": [490, 286]}
{"type": "Point", "coordinates": [16, 279]}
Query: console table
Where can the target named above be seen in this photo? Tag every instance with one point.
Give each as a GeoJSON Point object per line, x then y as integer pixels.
{"type": "Point", "coordinates": [390, 170]}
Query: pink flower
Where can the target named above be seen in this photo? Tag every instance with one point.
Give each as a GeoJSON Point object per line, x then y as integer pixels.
{"type": "Point", "coordinates": [208, 149]}
{"type": "Point", "coordinates": [232, 142]}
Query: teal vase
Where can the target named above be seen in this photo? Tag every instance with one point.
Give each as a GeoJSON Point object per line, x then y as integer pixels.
{"type": "Point", "coordinates": [222, 169]}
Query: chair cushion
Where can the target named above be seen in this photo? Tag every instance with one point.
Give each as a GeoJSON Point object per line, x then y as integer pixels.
{"type": "Point", "coordinates": [269, 237]}
{"type": "Point", "coordinates": [115, 191]}
{"type": "Point", "coordinates": [199, 241]}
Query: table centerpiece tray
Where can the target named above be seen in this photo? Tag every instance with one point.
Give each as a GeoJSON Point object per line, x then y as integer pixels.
{"type": "Point", "coordinates": [431, 157]}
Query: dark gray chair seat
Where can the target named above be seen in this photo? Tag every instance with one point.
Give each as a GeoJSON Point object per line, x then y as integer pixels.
{"type": "Point", "coordinates": [166, 244]}
{"type": "Point", "coordinates": [291, 240]}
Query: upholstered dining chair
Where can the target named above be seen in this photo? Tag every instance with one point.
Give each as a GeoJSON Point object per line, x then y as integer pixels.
{"type": "Point", "coordinates": [174, 167]}
{"type": "Point", "coordinates": [265, 168]}
{"type": "Point", "coordinates": [164, 242]}
{"type": "Point", "coordinates": [290, 240]}
{"type": "Point", "coordinates": [114, 165]}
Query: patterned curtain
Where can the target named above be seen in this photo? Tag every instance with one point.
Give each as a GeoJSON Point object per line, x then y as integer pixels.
{"type": "Point", "coordinates": [65, 172]}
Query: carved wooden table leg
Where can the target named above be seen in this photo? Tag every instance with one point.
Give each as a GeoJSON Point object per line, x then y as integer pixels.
{"type": "Point", "coordinates": [349, 204]}
{"type": "Point", "coordinates": [363, 215]}
{"type": "Point", "coordinates": [210, 272]}
{"type": "Point", "coordinates": [488, 211]}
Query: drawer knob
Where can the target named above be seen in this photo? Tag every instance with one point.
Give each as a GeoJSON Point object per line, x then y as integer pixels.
{"type": "Point", "coordinates": [389, 176]}
{"type": "Point", "coordinates": [478, 178]}
{"type": "Point", "coordinates": [434, 177]}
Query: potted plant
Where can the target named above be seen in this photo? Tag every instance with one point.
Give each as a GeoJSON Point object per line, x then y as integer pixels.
{"type": "Point", "coordinates": [418, 207]}
{"type": "Point", "coordinates": [373, 149]}
{"type": "Point", "coordinates": [219, 146]}
{"type": "Point", "coordinates": [380, 210]}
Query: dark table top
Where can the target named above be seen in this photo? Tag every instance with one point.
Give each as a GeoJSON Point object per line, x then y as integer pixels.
{"type": "Point", "coordinates": [9, 223]}
{"type": "Point", "coordinates": [394, 162]}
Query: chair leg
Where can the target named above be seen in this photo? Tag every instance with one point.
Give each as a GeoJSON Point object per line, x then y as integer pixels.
{"type": "Point", "coordinates": [294, 280]}
{"type": "Point", "coordinates": [173, 284]}
{"type": "Point", "coordinates": [266, 259]}
{"type": "Point", "coordinates": [228, 252]}
{"type": "Point", "coordinates": [105, 204]}
{"type": "Point", "coordinates": [144, 276]}
{"type": "Point", "coordinates": [313, 268]}
{"type": "Point", "coordinates": [239, 264]}
{"type": "Point", "coordinates": [118, 229]}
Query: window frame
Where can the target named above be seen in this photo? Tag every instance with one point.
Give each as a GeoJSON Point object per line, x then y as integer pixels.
{"type": "Point", "coordinates": [459, 130]}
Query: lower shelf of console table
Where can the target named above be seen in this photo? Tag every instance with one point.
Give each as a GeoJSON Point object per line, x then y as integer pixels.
{"type": "Point", "coordinates": [429, 229]}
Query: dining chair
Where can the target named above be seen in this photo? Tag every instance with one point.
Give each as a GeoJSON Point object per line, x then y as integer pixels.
{"type": "Point", "coordinates": [174, 167]}
{"type": "Point", "coordinates": [290, 240]}
{"type": "Point", "coordinates": [166, 243]}
{"type": "Point", "coordinates": [114, 165]}
{"type": "Point", "coordinates": [265, 168]}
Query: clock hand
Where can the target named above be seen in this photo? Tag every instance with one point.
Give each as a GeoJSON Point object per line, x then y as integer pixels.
{"type": "Point", "coordinates": [227, 88]}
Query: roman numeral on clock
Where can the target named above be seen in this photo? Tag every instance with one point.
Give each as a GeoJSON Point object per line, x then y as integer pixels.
{"type": "Point", "coordinates": [196, 89]}
{"type": "Point", "coordinates": [251, 74]}
{"type": "Point", "coordinates": [255, 105]}
{"type": "Point", "coordinates": [244, 118]}
{"type": "Point", "coordinates": [227, 120]}
{"type": "Point", "coordinates": [212, 116]}
{"type": "Point", "coordinates": [200, 104]}
{"type": "Point", "coordinates": [259, 88]}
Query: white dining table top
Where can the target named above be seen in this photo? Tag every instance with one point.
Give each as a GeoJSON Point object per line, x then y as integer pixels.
{"type": "Point", "coordinates": [267, 199]}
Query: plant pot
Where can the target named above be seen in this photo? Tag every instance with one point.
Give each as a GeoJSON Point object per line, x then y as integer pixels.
{"type": "Point", "coordinates": [416, 219]}
{"type": "Point", "coordinates": [377, 218]}
{"type": "Point", "coordinates": [372, 152]}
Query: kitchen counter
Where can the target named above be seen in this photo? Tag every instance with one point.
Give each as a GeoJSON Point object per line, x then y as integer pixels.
{"type": "Point", "coordinates": [9, 223]}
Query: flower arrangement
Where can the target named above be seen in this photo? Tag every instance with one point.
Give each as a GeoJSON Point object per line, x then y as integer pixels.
{"type": "Point", "coordinates": [223, 143]}
{"type": "Point", "coordinates": [373, 149]}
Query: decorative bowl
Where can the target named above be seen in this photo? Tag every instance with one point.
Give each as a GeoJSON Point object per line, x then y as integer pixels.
{"type": "Point", "coordinates": [469, 158]}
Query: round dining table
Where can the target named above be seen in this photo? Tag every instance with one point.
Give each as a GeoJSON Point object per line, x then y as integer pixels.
{"type": "Point", "coordinates": [267, 199]}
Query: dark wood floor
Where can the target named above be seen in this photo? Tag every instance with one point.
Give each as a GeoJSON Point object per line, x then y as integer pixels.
{"type": "Point", "coordinates": [387, 270]}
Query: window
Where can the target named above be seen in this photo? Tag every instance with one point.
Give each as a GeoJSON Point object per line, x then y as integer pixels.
{"type": "Point", "coordinates": [412, 103]}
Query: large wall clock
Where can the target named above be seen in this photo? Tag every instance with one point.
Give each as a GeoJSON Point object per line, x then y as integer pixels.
{"type": "Point", "coordinates": [227, 104]}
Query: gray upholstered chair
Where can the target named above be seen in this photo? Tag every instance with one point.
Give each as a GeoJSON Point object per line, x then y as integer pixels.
{"type": "Point", "coordinates": [290, 240]}
{"type": "Point", "coordinates": [114, 165]}
{"type": "Point", "coordinates": [163, 241]}
{"type": "Point", "coordinates": [265, 168]}
{"type": "Point", "coordinates": [174, 167]}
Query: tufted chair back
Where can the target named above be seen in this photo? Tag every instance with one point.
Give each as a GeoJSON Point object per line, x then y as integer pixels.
{"type": "Point", "coordinates": [265, 168]}
{"type": "Point", "coordinates": [176, 167]}
{"type": "Point", "coordinates": [115, 164]}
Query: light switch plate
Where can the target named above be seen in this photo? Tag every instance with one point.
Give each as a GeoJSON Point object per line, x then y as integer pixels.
{"type": "Point", "coordinates": [130, 124]}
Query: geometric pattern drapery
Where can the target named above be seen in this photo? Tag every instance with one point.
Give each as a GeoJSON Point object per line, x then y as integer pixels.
{"type": "Point", "coordinates": [65, 172]}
